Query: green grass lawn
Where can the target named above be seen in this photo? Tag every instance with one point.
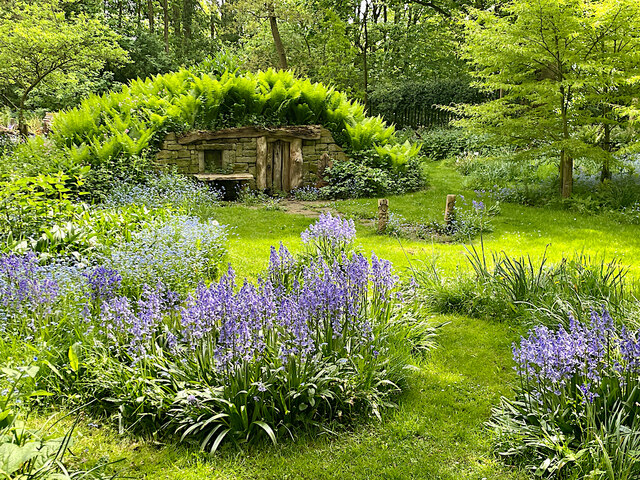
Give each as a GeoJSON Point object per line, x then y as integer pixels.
{"type": "Point", "coordinates": [518, 230]}
{"type": "Point", "coordinates": [438, 431]}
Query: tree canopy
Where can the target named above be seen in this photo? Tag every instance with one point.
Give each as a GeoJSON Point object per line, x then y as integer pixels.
{"type": "Point", "coordinates": [563, 68]}
{"type": "Point", "coordinates": [40, 45]}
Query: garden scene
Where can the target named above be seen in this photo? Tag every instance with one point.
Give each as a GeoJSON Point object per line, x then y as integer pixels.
{"type": "Point", "coordinates": [372, 239]}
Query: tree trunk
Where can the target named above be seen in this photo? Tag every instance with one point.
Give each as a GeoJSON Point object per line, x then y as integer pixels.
{"type": "Point", "coordinates": [566, 162]}
{"type": "Point", "coordinates": [212, 23]}
{"type": "Point", "coordinates": [165, 17]}
{"type": "Point", "coordinates": [22, 127]}
{"type": "Point", "coordinates": [187, 18]}
{"type": "Point", "coordinates": [605, 174]}
{"type": "Point", "coordinates": [176, 20]}
{"type": "Point", "coordinates": [151, 15]}
{"type": "Point", "coordinates": [273, 22]}
{"type": "Point", "coordinates": [365, 59]}
{"type": "Point", "coordinates": [566, 174]}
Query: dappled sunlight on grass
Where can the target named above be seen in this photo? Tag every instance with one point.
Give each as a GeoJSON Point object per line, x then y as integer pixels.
{"type": "Point", "coordinates": [518, 230]}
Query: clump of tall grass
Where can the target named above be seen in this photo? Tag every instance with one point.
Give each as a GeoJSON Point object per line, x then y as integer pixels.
{"type": "Point", "coordinates": [533, 291]}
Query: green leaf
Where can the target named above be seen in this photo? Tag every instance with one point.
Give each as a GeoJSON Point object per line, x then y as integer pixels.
{"type": "Point", "coordinates": [267, 429]}
{"type": "Point", "coordinates": [12, 456]}
{"type": "Point", "coordinates": [73, 357]}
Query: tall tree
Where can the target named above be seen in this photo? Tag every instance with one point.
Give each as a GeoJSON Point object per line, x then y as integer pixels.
{"type": "Point", "coordinates": [545, 58]}
{"type": "Point", "coordinates": [40, 45]}
{"type": "Point", "coordinates": [275, 32]}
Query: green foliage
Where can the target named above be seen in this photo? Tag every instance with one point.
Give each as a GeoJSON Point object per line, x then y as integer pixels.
{"type": "Point", "coordinates": [27, 453]}
{"type": "Point", "coordinates": [575, 69]}
{"type": "Point", "coordinates": [352, 179]}
{"type": "Point", "coordinates": [34, 205]}
{"type": "Point", "coordinates": [442, 143]}
{"type": "Point", "coordinates": [126, 123]}
{"type": "Point", "coordinates": [532, 292]}
{"type": "Point", "coordinates": [40, 46]}
{"type": "Point", "coordinates": [389, 100]}
{"type": "Point", "coordinates": [534, 182]}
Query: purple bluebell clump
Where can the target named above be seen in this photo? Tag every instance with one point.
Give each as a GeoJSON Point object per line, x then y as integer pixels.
{"type": "Point", "coordinates": [330, 228]}
{"type": "Point", "coordinates": [24, 284]}
{"type": "Point", "coordinates": [329, 236]}
{"type": "Point", "coordinates": [326, 307]}
{"type": "Point", "coordinates": [575, 362]}
{"type": "Point", "coordinates": [103, 282]}
{"type": "Point", "coordinates": [134, 326]}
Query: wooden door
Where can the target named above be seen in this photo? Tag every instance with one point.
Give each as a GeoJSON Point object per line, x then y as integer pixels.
{"type": "Point", "coordinates": [278, 166]}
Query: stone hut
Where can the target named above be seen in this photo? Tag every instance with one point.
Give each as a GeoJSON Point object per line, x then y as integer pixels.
{"type": "Point", "coordinates": [267, 158]}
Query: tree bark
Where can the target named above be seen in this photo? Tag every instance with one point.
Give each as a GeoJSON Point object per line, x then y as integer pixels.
{"type": "Point", "coordinates": [605, 174]}
{"type": "Point", "coordinates": [151, 16]}
{"type": "Point", "coordinates": [165, 17]}
{"type": "Point", "coordinates": [277, 40]}
{"type": "Point", "coordinates": [22, 127]}
{"type": "Point", "coordinates": [187, 18]}
{"type": "Point", "coordinates": [176, 20]}
{"type": "Point", "coordinates": [566, 162]}
{"type": "Point", "coordinates": [566, 174]}
{"type": "Point", "coordinates": [365, 59]}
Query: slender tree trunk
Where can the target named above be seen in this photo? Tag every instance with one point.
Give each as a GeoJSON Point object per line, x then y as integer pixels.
{"type": "Point", "coordinates": [566, 162]}
{"type": "Point", "coordinates": [151, 16]}
{"type": "Point", "coordinates": [176, 20]}
{"type": "Point", "coordinates": [605, 174]}
{"type": "Point", "coordinates": [187, 18]}
{"type": "Point", "coordinates": [22, 126]}
{"type": "Point", "coordinates": [277, 40]}
{"type": "Point", "coordinates": [212, 22]}
{"type": "Point", "coordinates": [365, 59]}
{"type": "Point", "coordinates": [165, 17]}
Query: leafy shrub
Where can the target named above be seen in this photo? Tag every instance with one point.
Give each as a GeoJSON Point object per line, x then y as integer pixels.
{"type": "Point", "coordinates": [576, 409]}
{"type": "Point", "coordinates": [424, 94]}
{"type": "Point", "coordinates": [353, 179]}
{"type": "Point", "coordinates": [441, 143]}
{"type": "Point", "coordinates": [28, 205]}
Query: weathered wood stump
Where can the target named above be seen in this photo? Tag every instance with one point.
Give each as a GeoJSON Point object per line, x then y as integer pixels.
{"type": "Point", "coordinates": [450, 210]}
{"type": "Point", "coordinates": [383, 214]}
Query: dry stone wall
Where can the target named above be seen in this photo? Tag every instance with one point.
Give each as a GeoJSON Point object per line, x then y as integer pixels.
{"type": "Point", "coordinates": [233, 153]}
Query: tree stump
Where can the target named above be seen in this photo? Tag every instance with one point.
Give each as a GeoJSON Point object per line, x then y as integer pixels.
{"type": "Point", "coordinates": [449, 211]}
{"type": "Point", "coordinates": [383, 214]}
